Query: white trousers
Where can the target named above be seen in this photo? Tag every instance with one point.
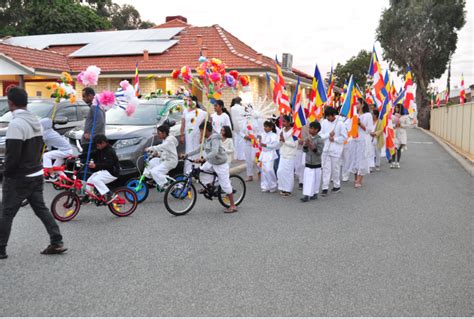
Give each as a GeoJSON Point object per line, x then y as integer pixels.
{"type": "Point", "coordinates": [55, 158]}
{"type": "Point", "coordinates": [346, 161]}
{"type": "Point", "coordinates": [331, 171]}
{"type": "Point", "coordinates": [300, 161]}
{"type": "Point", "coordinates": [222, 172]}
{"type": "Point", "coordinates": [378, 156]}
{"type": "Point", "coordinates": [268, 180]}
{"type": "Point", "coordinates": [158, 170]}
{"type": "Point", "coordinates": [286, 174]}
{"type": "Point", "coordinates": [250, 163]}
{"type": "Point", "coordinates": [239, 144]}
{"type": "Point", "coordinates": [100, 180]}
{"type": "Point", "coordinates": [312, 181]}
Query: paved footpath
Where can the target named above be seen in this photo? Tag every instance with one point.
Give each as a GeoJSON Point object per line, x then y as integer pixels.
{"type": "Point", "coordinates": [400, 246]}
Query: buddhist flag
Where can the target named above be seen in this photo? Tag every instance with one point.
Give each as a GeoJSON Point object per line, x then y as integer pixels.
{"type": "Point", "coordinates": [438, 100]}
{"type": "Point", "coordinates": [409, 93]}
{"type": "Point", "coordinates": [319, 98]}
{"type": "Point", "coordinates": [346, 104]}
{"type": "Point", "coordinates": [270, 87]}
{"type": "Point", "coordinates": [299, 118]}
{"type": "Point", "coordinates": [282, 99]}
{"type": "Point", "coordinates": [331, 84]}
{"type": "Point", "coordinates": [462, 93]}
{"type": "Point", "coordinates": [136, 82]}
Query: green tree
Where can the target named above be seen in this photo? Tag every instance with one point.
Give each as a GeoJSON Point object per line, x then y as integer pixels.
{"type": "Point", "coordinates": [125, 17]}
{"type": "Point", "coordinates": [357, 66]}
{"type": "Point", "coordinates": [29, 17]}
{"type": "Point", "coordinates": [421, 34]}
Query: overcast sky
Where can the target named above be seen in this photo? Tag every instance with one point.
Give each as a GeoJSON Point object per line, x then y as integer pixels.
{"type": "Point", "coordinates": [313, 31]}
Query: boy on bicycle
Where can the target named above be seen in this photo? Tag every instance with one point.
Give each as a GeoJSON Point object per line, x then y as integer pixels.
{"type": "Point", "coordinates": [105, 165]}
{"type": "Point", "coordinates": [215, 160]}
{"type": "Point", "coordinates": [56, 157]}
{"type": "Point", "coordinates": [165, 157]}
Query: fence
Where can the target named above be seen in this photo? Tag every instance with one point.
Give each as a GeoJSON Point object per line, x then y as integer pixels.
{"type": "Point", "coordinates": [455, 124]}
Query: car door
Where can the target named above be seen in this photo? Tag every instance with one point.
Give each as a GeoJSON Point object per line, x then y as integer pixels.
{"type": "Point", "coordinates": [70, 112]}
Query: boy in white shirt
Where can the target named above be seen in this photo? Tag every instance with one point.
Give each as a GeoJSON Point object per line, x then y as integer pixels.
{"type": "Point", "coordinates": [166, 157]}
{"type": "Point", "coordinates": [333, 134]}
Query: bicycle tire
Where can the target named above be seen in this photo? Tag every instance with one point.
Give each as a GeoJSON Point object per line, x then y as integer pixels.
{"type": "Point", "coordinates": [240, 199]}
{"type": "Point", "coordinates": [129, 196]}
{"type": "Point", "coordinates": [71, 213]}
{"type": "Point", "coordinates": [142, 193]}
{"type": "Point", "coordinates": [171, 195]}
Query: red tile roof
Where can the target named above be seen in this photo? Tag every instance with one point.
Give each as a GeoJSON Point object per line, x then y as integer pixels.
{"type": "Point", "coordinates": [37, 59]}
{"type": "Point", "coordinates": [218, 42]}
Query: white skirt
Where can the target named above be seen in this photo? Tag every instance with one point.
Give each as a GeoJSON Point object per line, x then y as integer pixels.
{"type": "Point", "coordinates": [359, 157]}
{"type": "Point", "coordinates": [286, 174]}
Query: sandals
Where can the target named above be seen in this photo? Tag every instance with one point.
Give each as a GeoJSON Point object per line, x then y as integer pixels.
{"type": "Point", "coordinates": [54, 250]}
{"type": "Point", "coordinates": [230, 210]}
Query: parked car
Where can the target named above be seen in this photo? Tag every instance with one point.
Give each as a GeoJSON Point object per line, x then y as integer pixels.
{"type": "Point", "coordinates": [67, 117]}
{"type": "Point", "coordinates": [3, 105]}
{"type": "Point", "coordinates": [130, 135]}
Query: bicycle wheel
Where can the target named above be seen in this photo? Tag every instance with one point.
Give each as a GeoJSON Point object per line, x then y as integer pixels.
{"type": "Point", "coordinates": [125, 203]}
{"type": "Point", "coordinates": [65, 206]}
{"type": "Point", "coordinates": [180, 198]}
{"type": "Point", "coordinates": [239, 190]}
{"type": "Point", "coordinates": [140, 189]}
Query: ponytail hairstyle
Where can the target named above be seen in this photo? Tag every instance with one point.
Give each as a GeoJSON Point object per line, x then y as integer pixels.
{"type": "Point", "coordinates": [224, 110]}
{"type": "Point", "coordinates": [227, 131]}
{"type": "Point", "coordinates": [271, 125]}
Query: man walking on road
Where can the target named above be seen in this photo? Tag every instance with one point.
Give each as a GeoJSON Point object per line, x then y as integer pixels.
{"type": "Point", "coordinates": [23, 175]}
{"type": "Point", "coordinates": [88, 96]}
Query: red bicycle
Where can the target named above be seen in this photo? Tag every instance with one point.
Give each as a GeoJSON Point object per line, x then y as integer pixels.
{"type": "Point", "coordinates": [66, 205]}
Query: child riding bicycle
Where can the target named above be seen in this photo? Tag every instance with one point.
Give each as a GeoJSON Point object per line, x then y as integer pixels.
{"type": "Point", "coordinates": [105, 165]}
{"type": "Point", "coordinates": [165, 157]}
{"type": "Point", "coordinates": [215, 160]}
{"type": "Point", "coordinates": [52, 139]}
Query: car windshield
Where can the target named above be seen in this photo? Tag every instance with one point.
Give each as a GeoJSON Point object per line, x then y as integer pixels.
{"type": "Point", "coordinates": [146, 114]}
{"type": "Point", "coordinates": [40, 109]}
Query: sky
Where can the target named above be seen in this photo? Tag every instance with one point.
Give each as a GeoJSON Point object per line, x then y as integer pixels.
{"type": "Point", "coordinates": [319, 32]}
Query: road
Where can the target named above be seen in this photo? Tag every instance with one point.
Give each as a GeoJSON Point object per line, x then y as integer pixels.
{"type": "Point", "coordinates": [400, 246]}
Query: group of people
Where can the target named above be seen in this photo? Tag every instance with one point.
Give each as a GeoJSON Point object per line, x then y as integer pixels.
{"type": "Point", "coordinates": [321, 154]}
{"type": "Point", "coordinates": [316, 156]}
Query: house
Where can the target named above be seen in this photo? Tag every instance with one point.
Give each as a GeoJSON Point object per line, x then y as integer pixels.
{"type": "Point", "coordinates": [32, 61]}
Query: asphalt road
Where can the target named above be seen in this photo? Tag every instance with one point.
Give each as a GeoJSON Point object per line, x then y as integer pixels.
{"type": "Point", "coordinates": [400, 246]}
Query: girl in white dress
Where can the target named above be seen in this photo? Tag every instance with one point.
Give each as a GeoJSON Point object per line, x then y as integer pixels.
{"type": "Point", "coordinates": [269, 143]}
{"type": "Point", "coordinates": [362, 143]}
{"type": "Point", "coordinates": [227, 143]}
{"type": "Point", "coordinates": [190, 134]}
{"type": "Point", "coordinates": [286, 167]}
{"type": "Point", "coordinates": [220, 118]}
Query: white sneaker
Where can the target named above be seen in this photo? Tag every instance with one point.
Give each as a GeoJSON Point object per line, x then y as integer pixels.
{"type": "Point", "coordinates": [392, 165]}
{"type": "Point", "coordinates": [397, 165]}
{"type": "Point", "coordinates": [377, 168]}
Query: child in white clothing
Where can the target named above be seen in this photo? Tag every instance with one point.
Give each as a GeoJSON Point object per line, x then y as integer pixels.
{"type": "Point", "coordinates": [52, 139]}
{"type": "Point", "coordinates": [166, 157]}
{"type": "Point", "coordinates": [227, 143]}
{"type": "Point", "coordinates": [269, 143]}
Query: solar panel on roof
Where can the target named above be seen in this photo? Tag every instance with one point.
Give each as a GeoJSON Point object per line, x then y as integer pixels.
{"type": "Point", "coordinates": [123, 48]}
{"type": "Point", "coordinates": [46, 40]}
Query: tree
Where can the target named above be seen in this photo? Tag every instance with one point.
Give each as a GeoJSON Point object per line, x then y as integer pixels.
{"type": "Point", "coordinates": [29, 17]}
{"type": "Point", "coordinates": [357, 66]}
{"type": "Point", "coordinates": [421, 34]}
{"type": "Point", "coordinates": [124, 17]}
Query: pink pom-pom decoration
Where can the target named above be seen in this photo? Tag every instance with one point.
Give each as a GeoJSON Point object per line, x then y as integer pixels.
{"type": "Point", "coordinates": [131, 108]}
{"type": "Point", "coordinates": [124, 85]}
{"type": "Point", "coordinates": [90, 76]}
{"type": "Point", "coordinates": [107, 99]}
{"type": "Point", "coordinates": [215, 77]}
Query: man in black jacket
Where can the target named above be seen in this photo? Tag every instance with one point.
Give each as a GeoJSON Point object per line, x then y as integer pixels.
{"type": "Point", "coordinates": [23, 175]}
{"type": "Point", "coordinates": [105, 165]}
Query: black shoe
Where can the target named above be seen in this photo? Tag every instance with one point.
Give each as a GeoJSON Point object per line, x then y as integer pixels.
{"type": "Point", "coordinates": [314, 197]}
{"type": "Point", "coordinates": [85, 199]}
{"type": "Point", "coordinates": [304, 199]}
{"type": "Point", "coordinates": [300, 186]}
{"type": "Point", "coordinates": [324, 193]}
{"type": "Point", "coordinates": [3, 253]}
{"type": "Point", "coordinates": [336, 189]}
{"type": "Point", "coordinates": [54, 250]}
{"type": "Point", "coordinates": [110, 197]}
